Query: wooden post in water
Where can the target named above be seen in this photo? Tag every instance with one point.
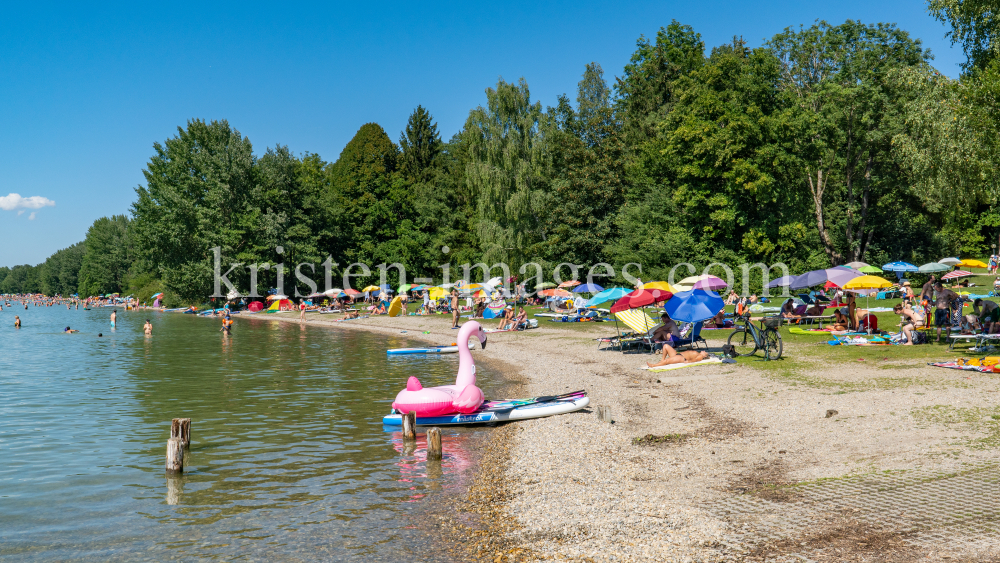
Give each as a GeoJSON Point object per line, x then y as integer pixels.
{"type": "Point", "coordinates": [410, 426]}
{"type": "Point", "coordinates": [434, 444]}
{"type": "Point", "coordinates": [175, 455]}
{"type": "Point", "coordinates": [181, 428]}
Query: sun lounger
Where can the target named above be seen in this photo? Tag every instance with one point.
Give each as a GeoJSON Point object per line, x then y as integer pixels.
{"type": "Point", "coordinates": [967, 338]}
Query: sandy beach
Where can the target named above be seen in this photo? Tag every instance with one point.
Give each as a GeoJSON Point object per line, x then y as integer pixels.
{"type": "Point", "coordinates": [881, 459]}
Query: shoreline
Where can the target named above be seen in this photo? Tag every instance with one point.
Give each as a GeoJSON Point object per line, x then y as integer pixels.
{"type": "Point", "coordinates": [729, 447]}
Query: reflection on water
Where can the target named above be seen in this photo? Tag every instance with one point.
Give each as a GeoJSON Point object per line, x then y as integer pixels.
{"type": "Point", "coordinates": [289, 460]}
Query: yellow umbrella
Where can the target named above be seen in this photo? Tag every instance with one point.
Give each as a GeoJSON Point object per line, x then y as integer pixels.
{"type": "Point", "coordinates": [438, 292]}
{"type": "Point", "coordinates": [661, 285]}
{"type": "Point", "coordinates": [868, 282]}
{"type": "Point", "coordinates": [969, 263]}
{"type": "Point", "coordinates": [370, 288]}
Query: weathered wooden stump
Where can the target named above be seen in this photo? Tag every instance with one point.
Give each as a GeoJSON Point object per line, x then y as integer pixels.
{"type": "Point", "coordinates": [181, 428]}
{"type": "Point", "coordinates": [410, 426]}
{"type": "Point", "coordinates": [434, 451]}
{"type": "Point", "coordinates": [175, 455]}
{"type": "Point", "coordinates": [604, 414]}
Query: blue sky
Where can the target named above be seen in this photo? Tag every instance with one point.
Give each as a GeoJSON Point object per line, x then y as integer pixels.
{"type": "Point", "coordinates": [87, 91]}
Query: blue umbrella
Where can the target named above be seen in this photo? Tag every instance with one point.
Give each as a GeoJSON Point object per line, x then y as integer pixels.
{"type": "Point", "coordinates": [900, 267]}
{"type": "Point", "coordinates": [610, 294]}
{"type": "Point", "coordinates": [781, 282]}
{"type": "Point", "coordinates": [588, 288]}
{"type": "Point", "coordinates": [693, 306]}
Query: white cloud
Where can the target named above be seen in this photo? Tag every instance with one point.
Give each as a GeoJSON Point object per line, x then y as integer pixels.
{"type": "Point", "coordinates": [13, 201]}
{"type": "Point", "coordinates": [20, 212]}
{"type": "Point", "coordinates": [32, 216]}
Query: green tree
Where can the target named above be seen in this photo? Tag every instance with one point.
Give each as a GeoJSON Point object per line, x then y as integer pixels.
{"type": "Point", "coordinates": [59, 273]}
{"type": "Point", "coordinates": [200, 194]}
{"type": "Point", "coordinates": [975, 24]}
{"type": "Point", "coordinates": [374, 197]}
{"type": "Point", "coordinates": [21, 279]}
{"type": "Point", "coordinates": [507, 169]}
{"type": "Point", "coordinates": [839, 117]}
{"type": "Point", "coordinates": [108, 257]}
{"type": "Point", "coordinates": [419, 144]}
{"type": "Point", "coordinates": [646, 88]}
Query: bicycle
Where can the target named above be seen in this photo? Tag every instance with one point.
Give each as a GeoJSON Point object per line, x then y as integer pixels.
{"type": "Point", "coordinates": [747, 339]}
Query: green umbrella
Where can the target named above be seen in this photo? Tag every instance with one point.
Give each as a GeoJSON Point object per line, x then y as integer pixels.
{"type": "Point", "coordinates": [869, 269]}
{"type": "Point", "coordinates": [404, 288]}
{"type": "Point", "coordinates": [934, 267]}
{"type": "Point", "coordinates": [545, 285]}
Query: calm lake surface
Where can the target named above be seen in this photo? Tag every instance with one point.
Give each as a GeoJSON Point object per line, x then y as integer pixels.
{"type": "Point", "coordinates": [289, 460]}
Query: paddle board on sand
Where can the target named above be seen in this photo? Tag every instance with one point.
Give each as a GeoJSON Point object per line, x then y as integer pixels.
{"type": "Point", "coordinates": [492, 412]}
{"type": "Point", "coordinates": [450, 349]}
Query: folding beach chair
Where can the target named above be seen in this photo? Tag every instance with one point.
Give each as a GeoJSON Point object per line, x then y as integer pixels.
{"type": "Point", "coordinates": [691, 337]}
{"type": "Point", "coordinates": [641, 323]}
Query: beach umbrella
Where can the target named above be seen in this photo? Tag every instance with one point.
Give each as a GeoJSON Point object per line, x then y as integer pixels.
{"type": "Point", "coordinates": [588, 288]}
{"type": "Point", "coordinates": [640, 298]}
{"type": "Point", "coordinates": [857, 265]}
{"type": "Point", "coordinates": [157, 295]}
{"type": "Point", "coordinates": [276, 297]}
{"type": "Point", "coordinates": [870, 270]}
{"type": "Point", "coordinates": [950, 261]}
{"type": "Point", "coordinates": [437, 292]}
{"type": "Point", "coordinates": [969, 263]}
{"type": "Point", "coordinates": [545, 285]}
{"type": "Point", "coordinates": [405, 287]}
{"type": "Point", "coordinates": [661, 285]}
{"type": "Point", "coordinates": [867, 282]}
{"type": "Point", "coordinates": [370, 288]}
{"type": "Point", "coordinates": [839, 276]}
{"type": "Point", "coordinates": [957, 274]}
{"type": "Point", "coordinates": [711, 283]}
{"type": "Point", "coordinates": [783, 281]}
{"type": "Point", "coordinates": [694, 306]}
{"type": "Point", "coordinates": [558, 292]}
{"type": "Point", "coordinates": [569, 283]}
{"type": "Point", "coordinates": [933, 267]}
{"type": "Point", "coordinates": [687, 284]}
{"type": "Point", "coordinates": [352, 292]}
{"type": "Point", "coordinates": [315, 295]}
{"type": "Point", "coordinates": [610, 294]}
{"type": "Point", "coordinates": [255, 307]}
{"type": "Point", "coordinates": [333, 292]}
{"type": "Point", "coordinates": [899, 267]}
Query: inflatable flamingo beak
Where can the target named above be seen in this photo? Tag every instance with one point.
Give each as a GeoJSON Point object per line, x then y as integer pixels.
{"type": "Point", "coordinates": [482, 343]}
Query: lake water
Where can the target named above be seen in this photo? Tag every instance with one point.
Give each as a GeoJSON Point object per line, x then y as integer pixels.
{"type": "Point", "coordinates": [289, 460]}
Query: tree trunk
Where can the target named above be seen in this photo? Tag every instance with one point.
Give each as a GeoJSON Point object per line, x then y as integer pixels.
{"type": "Point", "coordinates": [816, 187]}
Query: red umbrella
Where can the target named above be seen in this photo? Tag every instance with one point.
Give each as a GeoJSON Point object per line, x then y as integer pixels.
{"type": "Point", "coordinates": [255, 306]}
{"type": "Point", "coordinates": [957, 274]}
{"type": "Point", "coordinates": [640, 298]}
{"type": "Point", "coordinates": [830, 285]}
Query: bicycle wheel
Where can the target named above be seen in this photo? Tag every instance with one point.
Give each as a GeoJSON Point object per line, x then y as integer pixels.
{"type": "Point", "coordinates": [742, 342]}
{"type": "Point", "coordinates": [772, 344]}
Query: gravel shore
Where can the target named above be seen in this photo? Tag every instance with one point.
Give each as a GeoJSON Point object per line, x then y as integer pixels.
{"type": "Point", "coordinates": [718, 462]}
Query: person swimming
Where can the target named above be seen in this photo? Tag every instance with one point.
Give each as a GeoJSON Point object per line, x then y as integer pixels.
{"type": "Point", "coordinates": [69, 330]}
{"type": "Point", "coordinates": [148, 327]}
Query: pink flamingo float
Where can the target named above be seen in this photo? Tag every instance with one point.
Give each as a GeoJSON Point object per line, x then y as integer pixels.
{"type": "Point", "coordinates": [462, 397]}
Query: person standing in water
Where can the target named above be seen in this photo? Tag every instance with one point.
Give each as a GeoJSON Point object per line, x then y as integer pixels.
{"type": "Point", "coordinates": [302, 310]}
{"type": "Point", "coordinates": [114, 317]}
{"type": "Point", "coordinates": [17, 321]}
{"type": "Point", "coordinates": [147, 328]}
{"type": "Point", "coordinates": [227, 325]}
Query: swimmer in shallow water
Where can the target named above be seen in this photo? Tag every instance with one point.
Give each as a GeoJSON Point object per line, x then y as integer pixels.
{"type": "Point", "coordinates": [17, 321]}
{"type": "Point", "coordinates": [114, 316]}
{"type": "Point", "coordinates": [147, 328]}
{"type": "Point", "coordinates": [69, 330]}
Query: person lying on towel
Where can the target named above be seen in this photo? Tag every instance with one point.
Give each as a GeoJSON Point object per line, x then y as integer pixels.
{"type": "Point", "coordinates": [671, 356]}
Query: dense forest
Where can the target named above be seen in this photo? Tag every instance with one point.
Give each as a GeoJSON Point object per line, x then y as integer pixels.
{"type": "Point", "coordinates": [827, 144]}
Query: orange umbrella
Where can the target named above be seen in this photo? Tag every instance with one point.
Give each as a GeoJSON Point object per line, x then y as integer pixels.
{"type": "Point", "coordinates": [555, 293]}
{"type": "Point", "coordinates": [569, 283]}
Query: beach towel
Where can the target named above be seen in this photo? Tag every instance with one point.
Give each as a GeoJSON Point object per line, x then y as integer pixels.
{"type": "Point", "coordinates": [810, 332]}
{"type": "Point", "coordinates": [710, 360]}
{"type": "Point", "coordinates": [988, 364]}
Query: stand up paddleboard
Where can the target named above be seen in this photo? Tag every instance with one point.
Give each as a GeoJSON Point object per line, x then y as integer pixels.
{"type": "Point", "coordinates": [492, 412]}
{"type": "Point", "coordinates": [429, 350]}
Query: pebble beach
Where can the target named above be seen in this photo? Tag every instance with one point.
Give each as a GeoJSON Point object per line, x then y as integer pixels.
{"type": "Point", "coordinates": [754, 461]}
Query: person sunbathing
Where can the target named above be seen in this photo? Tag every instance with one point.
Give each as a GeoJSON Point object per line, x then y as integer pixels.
{"type": "Point", "coordinates": [671, 356]}
{"type": "Point", "coordinates": [350, 314]}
